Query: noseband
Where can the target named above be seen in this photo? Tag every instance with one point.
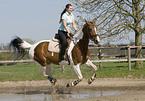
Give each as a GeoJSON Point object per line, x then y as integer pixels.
{"type": "Point", "coordinates": [94, 35]}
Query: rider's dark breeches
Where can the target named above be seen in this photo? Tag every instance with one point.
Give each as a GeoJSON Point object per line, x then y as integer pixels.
{"type": "Point", "coordinates": [63, 41]}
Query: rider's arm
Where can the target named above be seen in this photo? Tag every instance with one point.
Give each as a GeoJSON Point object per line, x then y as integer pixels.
{"type": "Point", "coordinates": [64, 24]}
{"type": "Point", "coordinates": [74, 25]}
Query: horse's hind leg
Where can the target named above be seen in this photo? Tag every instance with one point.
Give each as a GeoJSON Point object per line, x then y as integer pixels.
{"type": "Point", "coordinates": [79, 74]}
{"type": "Point", "coordinates": [46, 71]}
{"type": "Point", "coordinates": [43, 71]}
{"type": "Point", "coordinates": [90, 64]}
{"type": "Point", "coordinates": [50, 78]}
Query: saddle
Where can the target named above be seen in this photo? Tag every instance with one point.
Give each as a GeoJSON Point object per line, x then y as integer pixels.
{"type": "Point", "coordinates": [54, 45]}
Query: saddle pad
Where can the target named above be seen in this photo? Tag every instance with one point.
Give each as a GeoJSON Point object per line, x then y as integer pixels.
{"type": "Point", "coordinates": [54, 46]}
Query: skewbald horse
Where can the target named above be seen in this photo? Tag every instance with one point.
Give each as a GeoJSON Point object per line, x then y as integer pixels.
{"type": "Point", "coordinates": [77, 52]}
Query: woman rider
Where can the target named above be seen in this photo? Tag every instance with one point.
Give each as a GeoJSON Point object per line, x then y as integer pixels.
{"type": "Point", "coordinates": [66, 20]}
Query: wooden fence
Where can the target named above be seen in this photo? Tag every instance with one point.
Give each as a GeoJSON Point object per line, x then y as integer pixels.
{"type": "Point", "coordinates": [129, 59]}
{"type": "Point", "coordinates": [11, 61]}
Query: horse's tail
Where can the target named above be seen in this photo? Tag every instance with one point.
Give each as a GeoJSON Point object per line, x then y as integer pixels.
{"type": "Point", "coordinates": [19, 46]}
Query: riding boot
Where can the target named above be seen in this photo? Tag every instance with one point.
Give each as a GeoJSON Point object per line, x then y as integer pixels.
{"type": "Point", "coordinates": [62, 57]}
{"type": "Point", "coordinates": [62, 53]}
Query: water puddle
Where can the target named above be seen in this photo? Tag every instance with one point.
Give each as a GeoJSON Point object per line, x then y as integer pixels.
{"type": "Point", "coordinates": [46, 96]}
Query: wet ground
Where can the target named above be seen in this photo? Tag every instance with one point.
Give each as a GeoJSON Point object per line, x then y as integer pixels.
{"type": "Point", "coordinates": [99, 90]}
{"type": "Point", "coordinates": [45, 96]}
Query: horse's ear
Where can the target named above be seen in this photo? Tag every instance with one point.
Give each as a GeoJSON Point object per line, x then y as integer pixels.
{"type": "Point", "coordinates": [86, 22]}
{"type": "Point", "coordinates": [94, 21]}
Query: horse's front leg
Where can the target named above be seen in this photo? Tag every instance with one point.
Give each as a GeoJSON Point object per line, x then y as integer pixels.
{"type": "Point", "coordinates": [46, 71]}
{"type": "Point", "coordinates": [79, 74]}
{"type": "Point", "coordinates": [90, 64]}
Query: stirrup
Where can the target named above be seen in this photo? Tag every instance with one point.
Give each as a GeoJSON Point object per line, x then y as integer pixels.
{"type": "Point", "coordinates": [64, 58]}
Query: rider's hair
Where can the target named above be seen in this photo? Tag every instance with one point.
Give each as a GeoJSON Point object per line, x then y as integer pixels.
{"type": "Point", "coordinates": [67, 6]}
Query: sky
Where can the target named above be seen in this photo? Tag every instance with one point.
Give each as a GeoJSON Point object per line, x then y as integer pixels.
{"type": "Point", "coordinates": [34, 19]}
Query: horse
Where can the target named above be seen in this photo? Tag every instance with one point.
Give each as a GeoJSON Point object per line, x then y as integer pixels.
{"type": "Point", "coordinates": [77, 52]}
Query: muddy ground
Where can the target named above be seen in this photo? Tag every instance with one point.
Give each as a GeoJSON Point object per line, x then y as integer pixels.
{"type": "Point", "coordinates": [133, 89]}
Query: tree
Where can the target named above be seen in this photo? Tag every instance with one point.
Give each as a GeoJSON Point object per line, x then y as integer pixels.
{"type": "Point", "coordinates": [115, 18]}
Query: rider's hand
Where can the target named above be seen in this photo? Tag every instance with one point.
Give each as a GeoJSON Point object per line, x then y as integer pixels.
{"type": "Point", "coordinates": [71, 35]}
{"type": "Point", "coordinates": [68, 34]}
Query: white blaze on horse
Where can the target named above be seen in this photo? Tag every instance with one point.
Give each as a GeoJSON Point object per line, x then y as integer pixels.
{"type": "Point", "coordinates": [46, 52]}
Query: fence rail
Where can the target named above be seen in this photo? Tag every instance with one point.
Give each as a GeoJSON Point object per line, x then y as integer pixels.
{"type": "Point", "coordinates": [5, 51]}
{"type": "Point", "coordinates": [11, 61]}
{"type": "Point", "coordinates": [118, 60]}
{"type": "Point", "coordinates": [106, 60]}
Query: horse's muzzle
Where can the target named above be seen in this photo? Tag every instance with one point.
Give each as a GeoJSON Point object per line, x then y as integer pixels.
{"type": "Point", "coordinates": [97, 39]}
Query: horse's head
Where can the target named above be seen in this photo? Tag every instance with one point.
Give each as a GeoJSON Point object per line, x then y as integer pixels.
{"type": "Point", "coordinates": [91, 31]}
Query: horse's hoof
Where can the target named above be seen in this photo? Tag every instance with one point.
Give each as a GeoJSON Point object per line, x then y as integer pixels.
{"type": "Point", "coordinates": [53, 81]}
{"type": "Point", "coordinates": [68, 85]}
{"type": "Point", "coordinates": [89, 81]}
{"type": "Point", "coordinates": [56, 84]}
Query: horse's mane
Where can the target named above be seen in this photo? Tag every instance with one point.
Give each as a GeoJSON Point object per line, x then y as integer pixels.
{"type": "Point", "coordinates": [78, 35]}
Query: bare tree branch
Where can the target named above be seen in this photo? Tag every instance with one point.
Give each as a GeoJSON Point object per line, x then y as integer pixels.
{"type": "Point", "coordinates": [123, 9]}
{"type": "Point", "coordinates": [112, 14]}
{"type": "Point", "coordinates": [127, 3]}
{"type": "Point", "coordinates": [142, 8]}
{"type": "Point", "coordinates": [115, 17]}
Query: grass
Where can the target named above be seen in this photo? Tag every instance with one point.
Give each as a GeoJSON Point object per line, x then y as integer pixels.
{"type": "Point", "coordinates": [31, 71]}
{"type": "Point", "coordinates": [120, 70]}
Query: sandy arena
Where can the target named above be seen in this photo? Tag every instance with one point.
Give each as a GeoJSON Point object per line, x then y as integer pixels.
{"type": "Point", "coordinates": [115, 89]}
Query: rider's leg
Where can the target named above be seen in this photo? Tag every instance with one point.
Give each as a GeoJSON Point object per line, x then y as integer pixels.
{"type": "Point", "coordinates": [63, 42]}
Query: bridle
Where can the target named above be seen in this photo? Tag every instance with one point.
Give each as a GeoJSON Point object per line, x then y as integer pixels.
{"type": "Point", "coordinates": [92, 36]}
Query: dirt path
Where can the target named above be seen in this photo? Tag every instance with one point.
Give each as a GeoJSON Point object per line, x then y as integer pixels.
{"type": "Point", "coordinates": [110, 83]}
{"type": "Point", "coordinates": [134, 89]}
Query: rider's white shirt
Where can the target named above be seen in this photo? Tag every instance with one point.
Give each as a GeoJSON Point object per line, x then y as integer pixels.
{"type": "Point", "coordinates": [69, 20]}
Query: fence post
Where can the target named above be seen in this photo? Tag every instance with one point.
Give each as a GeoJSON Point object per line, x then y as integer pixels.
{"type": "Point", "coordinates": [62, 69]}
{"type": "Point", "coordinates": [129, 59]}
{"type": "Point", "coordinates": [99, 56]}
{"type": "Point", "coordinates": [5, 65]}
